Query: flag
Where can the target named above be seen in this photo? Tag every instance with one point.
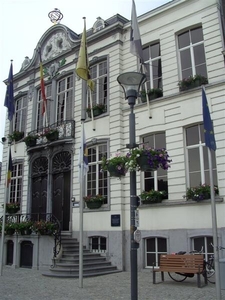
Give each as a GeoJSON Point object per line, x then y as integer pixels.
{"type": "Point", "coordinates": [10, 167]}
{"type": "Point", "coordinates": [44, 104]}
{"type": "Point", "coordinates": [135, 37]}
{"type": "Point", "coordinates": [82, 69]}
{"type": "Point", "coordinates": [9, 97]}
{"type": "Point", "coordinates": [83, 157]}
{"type": "Point", "coordinates": [208, 126]}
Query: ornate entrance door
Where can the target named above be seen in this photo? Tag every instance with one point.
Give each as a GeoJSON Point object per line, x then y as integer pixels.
{"type": "Point", "coordinates": [61, 169]}
{"type": "Point", "coordinates": [39, 186]}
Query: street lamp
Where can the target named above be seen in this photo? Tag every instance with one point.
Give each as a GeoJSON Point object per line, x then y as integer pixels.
{"type": "Point", "coordinates": [131, 82]}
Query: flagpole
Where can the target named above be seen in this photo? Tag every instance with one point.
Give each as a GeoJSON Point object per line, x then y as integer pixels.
{"type": "Point", "coordinates": [7, 189]}
{"type": "Point", "coordinates": [214, 228]}
{"type": "Point", "coordinates": [81, 207]}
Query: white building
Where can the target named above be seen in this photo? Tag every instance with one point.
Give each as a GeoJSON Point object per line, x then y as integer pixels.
{"type": "Point", "coordinates": [180, 39]}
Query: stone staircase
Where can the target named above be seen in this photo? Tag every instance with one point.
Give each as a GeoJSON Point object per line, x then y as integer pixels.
{"type": "Point", "coordinates": [68, 265]}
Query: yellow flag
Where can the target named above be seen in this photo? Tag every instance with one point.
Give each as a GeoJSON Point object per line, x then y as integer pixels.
{"type": "Point", "coordinates": [82, 69]}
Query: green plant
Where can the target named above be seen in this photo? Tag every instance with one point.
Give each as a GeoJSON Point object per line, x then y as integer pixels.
{"type": "Point", "coordinates": [30, 138]}
{"type": "Point", "coordinates": [192, 81]}
{"type": "Point", "coordinates": [43, 226]}
{"type": "Point", "coordinates": [153, 196]}
{"type": "Point", "coordinates": [200, 192]}
{"type": "Point", "coordinates": [158, 92]}
{"type": "Point", "coordinates": [24, 225]}
{"type": "Point", "coordinates": [12, 207]}
{"type": "Point", "coordinates": [94, 198]}
{"type": "Point", "coordinates": [155, 158]}
{"type": "Point", "coordinates": [49, 131]}
{"type": "Point", "coordinates": [100, 107]}
{"type": "Point", "coordinates": [117, 162]}
{"type": "Point", "coordinates": [16, 136]}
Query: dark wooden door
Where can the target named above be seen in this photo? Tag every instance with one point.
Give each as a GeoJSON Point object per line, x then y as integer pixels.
{"type": "Point", "coordinates": [39, 187]}
{"type": "Point", "coordinates": [61, 188]}
{"type": "Point", "coordinates": [26, 254]}
{"type": "Point", "coordinates": [39, 195]}
{"type": "Point", "coordinates": [9, 254]}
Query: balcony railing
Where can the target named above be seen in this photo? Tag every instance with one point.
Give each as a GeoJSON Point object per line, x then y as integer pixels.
{"type": "Point", "coordinates": [65, 129]}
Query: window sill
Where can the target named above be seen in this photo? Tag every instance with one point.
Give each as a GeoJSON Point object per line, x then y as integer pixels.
{"type": "Point", "coordinates": [179, 203]}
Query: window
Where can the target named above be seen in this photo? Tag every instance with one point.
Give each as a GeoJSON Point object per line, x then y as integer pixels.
{"type": "Point", "coordinates": [99, 75]}
{"type": "Point", "coordinates": [152, 59]}
{"type": "Point", "coordinates": [203, 242]}
{"type": "Point", "coordinates": [96, 179]}
{"type": "Point", "coordinates": [98, 25]}
{"type": "Point", "coordinates": [192, 53]}
{"type": "Point", "coordinates": [65, 99]}
{"type": "Point", "coordinates": [98, 244]}
{"type": "Point", "coordinates": [156, 180]}
{"type": "Point", "coordinates": [20, 119]}
{"type": "Point", "coordinates": [154, 247]}
{"type": "Point", "coordinates": [197, 157]}
{"type": "Point", "coordinates": [16, 183]}
{"type": "Point", "coordinates": [42, 121]}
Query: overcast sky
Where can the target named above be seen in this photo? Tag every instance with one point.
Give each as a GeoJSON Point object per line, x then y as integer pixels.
{"type": "Point", "coordinates": [23, 22]}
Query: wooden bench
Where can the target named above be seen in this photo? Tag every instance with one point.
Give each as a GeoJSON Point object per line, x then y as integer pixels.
{"type": "Point", "coordinates": [188, 264]}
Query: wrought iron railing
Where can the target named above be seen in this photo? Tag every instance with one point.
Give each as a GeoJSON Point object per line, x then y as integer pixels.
{"type": "Point", "coordinates": [17, 219]}
{"type": "Point", "coordinates": [66, 130]}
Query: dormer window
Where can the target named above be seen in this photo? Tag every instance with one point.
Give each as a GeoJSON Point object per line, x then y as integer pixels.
{"type": "Point", "coordinates": [98, 25]}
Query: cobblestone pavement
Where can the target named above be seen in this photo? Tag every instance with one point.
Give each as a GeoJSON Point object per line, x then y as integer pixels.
{"type": "Point", "coordinates": [26, 284]}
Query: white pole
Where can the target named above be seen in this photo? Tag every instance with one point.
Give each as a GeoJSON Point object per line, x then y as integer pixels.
{"type": "Point", "coordinates": [81, 174]}
{"type": "Point", "coordinates": [7, 189]}
{"type": "Point", "coordinates": [214, 228]}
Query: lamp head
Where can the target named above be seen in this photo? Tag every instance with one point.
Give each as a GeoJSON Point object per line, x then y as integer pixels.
{"type": "Point", "coordinates": [131, 81]}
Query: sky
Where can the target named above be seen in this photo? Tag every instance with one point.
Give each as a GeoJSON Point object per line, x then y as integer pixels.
{"type": "Point", "coordinates": [23, 22]}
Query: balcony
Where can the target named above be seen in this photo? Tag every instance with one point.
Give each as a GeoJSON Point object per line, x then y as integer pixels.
{"type": "Point", "coordinates": [56, 133]}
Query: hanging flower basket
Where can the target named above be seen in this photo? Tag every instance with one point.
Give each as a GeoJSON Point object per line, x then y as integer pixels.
{"type": "Point", "coordinates": [143, 162]}
{"type": "Point", "coordinates": [116, 166]}
{"type": "Point", "coordinates": [147, 159]}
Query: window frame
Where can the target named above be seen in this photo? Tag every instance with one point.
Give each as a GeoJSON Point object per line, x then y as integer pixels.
{"type": "Point", "coordinates": [201, 147]}
{"type": "Point", "coordinates": [96, 62]}
{"type": "Point", "coordinates": [66, 98]}
{"type": "Point", "coordinates": [100, 184]}
{"type": "Point", "coordinates": [150, 81]}
{"type": "Point", "coordinates": [156, 253]}
{"type": "Point", "coordinates": [14, 197]}
{"type": "Point", "coordinates": [155, 176]}
{"type": "Point", "coordinates": [101, 243]}
{"type": "Point", "coordinates": [22, 118]}
{"type": "Point", "coordinates": [191, 46]}
{"type": "Point", "coordinates": [206, 250]}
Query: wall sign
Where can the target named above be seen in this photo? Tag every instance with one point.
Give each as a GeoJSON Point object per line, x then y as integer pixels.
{"type": "Point", "coordinates": [115, 220]}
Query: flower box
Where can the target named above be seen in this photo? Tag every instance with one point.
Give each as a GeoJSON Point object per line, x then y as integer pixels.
{"type": "Point", "coordinates": [200, 193]}
{"type": "Point", "coordinates": [97, 109]}
{"type": "Point", "coordinates": [152, 94]}
{"type": "Point", "coordinates": [52, 134]}
{"type": "Point", "coordinates": [16, 136]}
{"type": "Point", "coordinates": [94, 205]}
{"type": "Point", "coordinates": [12, 208]}
{"type": "Point", "coordinates": [152, 196]}
{"type": "Point", "coordinates": [192, 82]}
{"type": "Point", "coordinates": [94, 201]}
{"type": "Point", "coordinates": [31, 140]}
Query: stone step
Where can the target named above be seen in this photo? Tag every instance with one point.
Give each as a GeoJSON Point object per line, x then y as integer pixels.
{"type": "Point", "coordinates": [73, 260]}
{"type": "Point", "coordinates": [85, 264]}
{"type": "Point", "coordinates": [71, 275]}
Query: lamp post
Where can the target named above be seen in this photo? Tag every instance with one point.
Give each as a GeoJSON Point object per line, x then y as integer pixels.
{"type": "Point", "coordinates": [131, 82]}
